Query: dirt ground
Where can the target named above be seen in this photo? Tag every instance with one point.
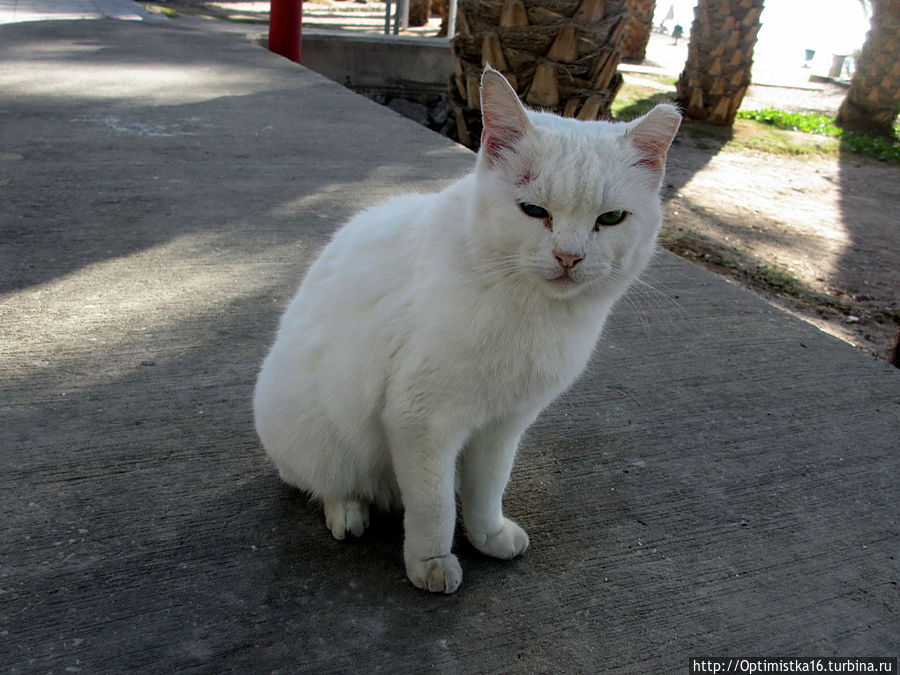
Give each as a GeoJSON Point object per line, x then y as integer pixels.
{"type": "Point", "coordinates": [816, 235]}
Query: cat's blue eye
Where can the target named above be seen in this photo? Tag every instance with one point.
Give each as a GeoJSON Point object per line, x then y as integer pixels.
{"type": "Point", "coordinates": [533, 210]}
{"type": "Point", "coordinates": [611, 218]}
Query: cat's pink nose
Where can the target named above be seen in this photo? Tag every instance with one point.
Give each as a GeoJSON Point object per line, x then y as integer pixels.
{"type": "Point", "coordinates": [567, 260]}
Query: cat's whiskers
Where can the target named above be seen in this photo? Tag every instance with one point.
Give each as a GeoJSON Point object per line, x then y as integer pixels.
{"type": "Point", "coordinates": [505, 266]}
{"type": "Point", "coordinates": [659, 299]}
{"type": "Point", "coordinates": [642, 293]}
{"type": "Point", "coordinates": [512, 265]}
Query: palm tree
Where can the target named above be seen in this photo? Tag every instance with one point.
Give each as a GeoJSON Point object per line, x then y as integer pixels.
{"type": "Point", "coordinates": [873, 101]}
{"type": "Point", "coordinates": [559, 55]}
{"type": "Point", "coordinates": [637, 29]}
{"type": "Point", "coordinates": [419, 12]}
{"type": "Point", "coordinates": [720, 56]}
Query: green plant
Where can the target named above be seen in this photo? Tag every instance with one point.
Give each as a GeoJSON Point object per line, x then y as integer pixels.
{"type": "Point", "coordinates": [782, 280]}
{"type": "Point", "coordinates": [885, 149]}
{"type": "Point", "coordinates": [635, 101]}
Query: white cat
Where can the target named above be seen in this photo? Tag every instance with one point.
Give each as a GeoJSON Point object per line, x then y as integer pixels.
{"type": "Point", "coordinates": [433, 329]}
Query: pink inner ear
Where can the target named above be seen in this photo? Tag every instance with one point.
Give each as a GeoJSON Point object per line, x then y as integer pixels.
{"type": "Point", "coordinates": [504, 118]}
{"type": "Point", "coordinates": [496, 139]}
{"type": "Point", "coordinates": [491, 144]}
{"type": "Point", "coordinates": [652, 134]}
{"type": "Point", "coordinates": [653, 154]}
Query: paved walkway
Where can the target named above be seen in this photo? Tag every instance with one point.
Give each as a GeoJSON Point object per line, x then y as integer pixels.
{"type": "Point", "coordinates": [722, 481]}
{"type": "Point", "coordinates": [14, 11]}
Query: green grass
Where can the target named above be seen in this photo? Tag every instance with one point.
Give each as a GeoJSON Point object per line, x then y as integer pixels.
{"type": "Point", "coordinates": [765, 129]}
{"type": "Point", "coordinates": [885, 149]}
{"type": "Point", "coordinates": [753, 135]}
{"type": "Point", "coordinates": [634, 100]}
{"type": "Point", "coordinates": [159, 9]}
{"type": "Point", "coordinates": [782, 281]}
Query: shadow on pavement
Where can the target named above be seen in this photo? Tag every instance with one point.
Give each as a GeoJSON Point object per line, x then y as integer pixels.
{"type": "Point", "coordinates": [707, 487]}
{"type": "Point", "coordinates": [869, 268]}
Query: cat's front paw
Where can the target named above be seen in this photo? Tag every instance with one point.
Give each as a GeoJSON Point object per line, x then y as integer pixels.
{"type": "Point", "coordinates": [438, 575]}
{"type": "Point", "coordinates": [508, 542]}
{"type": "Point", "coordinates": [346, 516]}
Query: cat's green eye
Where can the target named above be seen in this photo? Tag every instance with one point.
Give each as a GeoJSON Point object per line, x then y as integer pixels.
{"type": "Point", "coordinates": [611, 218]}
{"type": "Point", "coordinates": [533, 210]}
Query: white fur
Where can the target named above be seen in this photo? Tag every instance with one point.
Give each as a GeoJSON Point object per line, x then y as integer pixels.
{"type": "Point", "coordinates": [428, 334]}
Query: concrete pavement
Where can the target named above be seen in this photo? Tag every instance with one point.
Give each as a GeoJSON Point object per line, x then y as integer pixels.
{"type": "Point", "coordinates": [15, 11]}
{"type": "Point", "coordinates": [722, 481]}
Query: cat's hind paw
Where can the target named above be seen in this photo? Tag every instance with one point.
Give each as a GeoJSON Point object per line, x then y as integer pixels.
{"type": "Point", "coordinates": [508, 542]}
{"type": "Point", "coordinates": [438, 575]}
{"type": "Point", "coordinates": [346, 516]}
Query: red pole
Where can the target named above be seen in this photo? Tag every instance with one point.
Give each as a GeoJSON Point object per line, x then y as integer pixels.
{"type": "Point", "coordinates": [284, 28]}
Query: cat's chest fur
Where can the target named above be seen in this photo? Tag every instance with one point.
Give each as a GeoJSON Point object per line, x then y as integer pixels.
{"type": "Point", "coordinates": [500, 345]}
{"type": "Point", "coordinates": [477, 343]}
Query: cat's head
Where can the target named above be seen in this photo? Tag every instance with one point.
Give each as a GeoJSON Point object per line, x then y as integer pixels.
{"type": "Point", "coordinates": [570, 206]}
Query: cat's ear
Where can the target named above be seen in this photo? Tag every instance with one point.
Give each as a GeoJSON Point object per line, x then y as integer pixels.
{"type": "Point", "coordinates": [652, 135]}
{"type": "Point", "coordinates": [503, 116]}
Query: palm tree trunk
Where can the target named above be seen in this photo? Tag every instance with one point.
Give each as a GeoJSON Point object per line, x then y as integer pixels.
{"type": "Point", "coordinates": [559, 55]}
{"type": "Point", "coordinates": [419, 12]}
{"type": "Point", "coordinates": [720, 56]}
{"type": "Point", "coordinates": [637, 29]}
{"type": "Point", "coordinates": [873, 101]}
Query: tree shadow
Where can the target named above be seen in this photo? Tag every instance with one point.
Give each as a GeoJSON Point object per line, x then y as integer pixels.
{"type": "Point", "coordinates": [863, 288]}
{"type": "Point", "coordinates": [694, 146]}
{"type": "Point", "coordinates": [868, 271]}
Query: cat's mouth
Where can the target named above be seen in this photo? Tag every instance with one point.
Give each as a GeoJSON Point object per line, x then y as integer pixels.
{"type": "Point", "coordinates": [563, 280]}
